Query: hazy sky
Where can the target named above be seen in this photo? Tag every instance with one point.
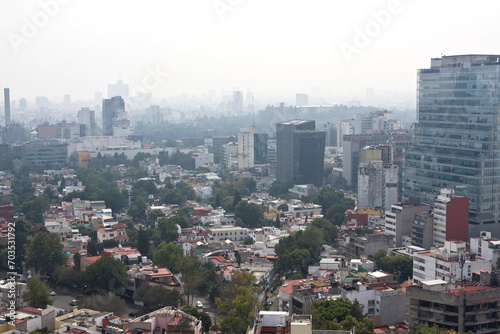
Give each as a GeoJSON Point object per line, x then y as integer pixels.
{"type": "Point", "coordinates": [268, 46]}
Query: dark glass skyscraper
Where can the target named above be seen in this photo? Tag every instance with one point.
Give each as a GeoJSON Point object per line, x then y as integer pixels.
{"type": "Point", "coordinates": [300, 152]}
{"type": "Point", "coordinates": [456, 143]}
{"type": "Point", "coordinates": [110, 109]}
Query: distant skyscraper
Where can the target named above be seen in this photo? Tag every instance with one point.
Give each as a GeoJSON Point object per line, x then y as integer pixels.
{"type": "Point", "coordinates": [456, 139]}
{"type": "Point", "coordinates": [110, 111]}
{"type": "Point", "coordinates": [86, 116]}
{"type": "Point", "coordinates": [300, 151]}
{"type": "Point", "coordinates": [301, 99]}
{"type": "Point", "coordinates": [23, 105]}
{"type": "Point", "coordinates": [237, 102]}
{"type": "Point", "coordinates": [41, 102]}
{"type": "Point", "coordinates": [118, 89]}
{"type": "Point", "coordinates": [6, 97]}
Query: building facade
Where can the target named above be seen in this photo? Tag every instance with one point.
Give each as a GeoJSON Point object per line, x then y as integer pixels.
{"type": "Point", "coordinates": [456, 137]}
{"type": "Point", "coordinates": [377, 184]}
{"type": "Point", "coordinates": [451, 213]}
{"type": "Point", "coordinates": [300, 151]}
{"type": "Point", "coordinates": [110, 109]}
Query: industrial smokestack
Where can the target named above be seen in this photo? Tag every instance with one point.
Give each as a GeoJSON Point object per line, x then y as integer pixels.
{"type": "Point", "coordinates": [6, 97]}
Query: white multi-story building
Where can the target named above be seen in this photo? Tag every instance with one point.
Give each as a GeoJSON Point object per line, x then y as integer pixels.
{"type": "Point", "coordinates": [246, 147]}
{"type": "Point", "coordinates": [203, 158]}
{"type": "Point", "coordinates": [486, 246]}
{"type": "Point", "coordinates": [230, 155]}
{"type": "Point", "coordinates": [449, 263]}
{"type": "Point", "coordinates": [384, 305]}
{"type": "Point", "coordinates": [233, 233]}
{"type": "Point", "coordinates": [344, 127]}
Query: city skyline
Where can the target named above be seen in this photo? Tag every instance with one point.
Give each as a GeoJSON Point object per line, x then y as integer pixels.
{"type": "Point", "coordinates": [170, 48]}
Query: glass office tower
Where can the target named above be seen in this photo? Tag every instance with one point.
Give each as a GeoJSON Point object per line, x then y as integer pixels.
{"type": "Point", "coordinates": [300, 152]}
{"type": "Point", "coordinates": [456, 137]}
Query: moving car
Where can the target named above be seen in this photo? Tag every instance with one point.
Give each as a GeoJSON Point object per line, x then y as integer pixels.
{"type": "Point", "coordinates": [199, 304]}
{"type": "Point", "coordinates": [73, 302]}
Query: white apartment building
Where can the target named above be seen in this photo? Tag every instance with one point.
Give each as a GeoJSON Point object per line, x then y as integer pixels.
{"type": "Point", "coordinates": [233, 233]}
{"type": "Point", "coordinates": [246, 147]}
{"type": "Point", "coordinates": [450, 263]}
{"type": "Point", "coordinates": [485, 246]}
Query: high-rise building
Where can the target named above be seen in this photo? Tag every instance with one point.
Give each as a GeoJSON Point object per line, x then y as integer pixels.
{"type": "Point", "coordinates": [6, 98]}
{"type": "Point", "coordinates": [111, 108]}
{"type": "Point", "coordinates": [377, 184]}
{"type": "Point", "coordinates": [86, 116]}
{"type": "Point", "coordinates": [456, 141]}
{"type": "Point", "coordinates": [23, 105]}
{"type": "Point", "coordinates": [300, 151]}
{"type": "Point", "coordinates": [252, 148]}
{"type": "Point", "coordinates": [237, 102]}
{"type": "Point", "coordinates": [301, 99]}
{"type": "Point", "coordinates": [118, 89]}
{"type": "Point", "coordinates": [41, 102]}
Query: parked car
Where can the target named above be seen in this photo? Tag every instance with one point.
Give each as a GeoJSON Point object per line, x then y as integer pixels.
{"type": "Point", "coordinates": [78, 296]}
{"type": "Point", "coordinates": [199, 304]}
{"type": "Point", "coordinates": [73, 302]}
{"type": "Point", "coordinates": [53, 293]}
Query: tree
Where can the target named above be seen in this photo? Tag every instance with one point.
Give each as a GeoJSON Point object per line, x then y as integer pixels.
{"type": "Point", "coordinates": [37, 293]}
{"type": "Point", "coordinates": [35, 208]}
{"type": "Point", "coordinates": [379, 255]}
{"type": "Point", "coordinates": [106, 273]}
{"type": "Point", "coordinates": [330, 232]}
{"type": "Point", "coordinates": [64, 275]}
{"type": "Point", "coordinates": [104, 303]}
{"type": "Point", "coordinates": [250, 214]}
{"type": "Point", "coordinates": [77, 261]}
{"type": "Point", "coordinates": [341, 314]}
{"type": "Point", "coordinates": [191, 279]}
{"type": "Point", "coordinates": [205, 318]}
{"type": "Point", "coordinates": [143, 242]}
{"type": "Point", "coordinates": [168, 229]}
{"type": "Point", "coordinates": [400, 265]}
{"type": "Point", "coordinates": [237, 304]}
{"type": "Point", "coordinates": [168, 255]}
{"type": "Point", "coordinates": [45, 252]}
{"type": "Point", "coordinates": [300, 249]}
{"type": "Point", "coordinates": [156, 296]}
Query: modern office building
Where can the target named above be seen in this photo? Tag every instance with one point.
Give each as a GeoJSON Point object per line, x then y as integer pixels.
{"type": "Point", "coordinates": [47, 153]}
{"type": "Point", "coordinates": [110, 110]}
{"type": "Point", "coordinates": [300, 151]}
{"type": "Point", "coordinates": [86, 116]}
{"type": "Point", "coordinates": [456, 141]}
{"type": "Point", "coordinates": [6, 98]}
